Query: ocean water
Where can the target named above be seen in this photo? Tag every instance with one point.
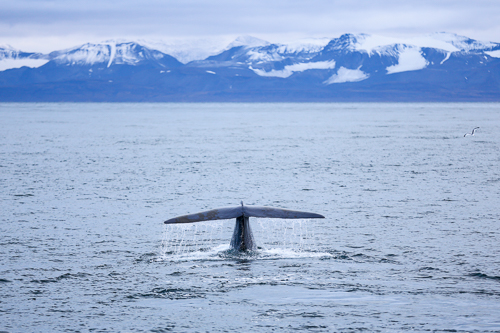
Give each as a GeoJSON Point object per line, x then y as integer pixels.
{"type": "Point", "coordinates": [410, 242]}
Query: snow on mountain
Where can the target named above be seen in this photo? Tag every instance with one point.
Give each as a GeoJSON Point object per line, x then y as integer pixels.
{"type": "Point", "coordinates": [375, 43]}
{"type": "Point", "coordinates": [408, 51]}
{"type": "Point", "coordinates": [401, 54]}
{"type": "Point", "coordinates": [11, 58]}
{"type": "Point", "coordinates": [446, 42]}
{"type": "Point", "coordinates": [345, 43]}
{"type": "Point", "coordinates": [189, 49]}
{"type": "Point", "coordinates": [258, 54]}
{"type": "Point", "coordinates": [87, 54]}
{"type": "Point", "coordinates": [271, 60]}
{"type": "Point", "coordinates": [202, 48]}
{"type": "Point", "coordinates": [347, 75]}
{"type": "Point", "coordinates": [107, 53]}
{"type": "Point", "coordinates": [409, 59]}
{"type": "Point", "coordinates": [248, 42]}
{"type": "Point", "coordinates": [259, 46]}
{"type": "Point", "coordinates": [494, 54]}
{"type": "Point", "coordinates": [307, 45]}
{"type": "Point", "coordinates": [463, 43]}
{"type": "Point", "coordinates": [436, 67]}
{"type": "Point", "coordinates": [7, 51]}
{"type": "Point", "coordinates": [442, 41]}
{"type": "Point", "coordinates": [299, 67]}
{"type": "Point", "coordinates": [350, 52]}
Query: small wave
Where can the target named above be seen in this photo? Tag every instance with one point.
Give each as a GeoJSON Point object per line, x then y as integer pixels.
{"type": "Point", "coordinates": [485, 276]}
{"type": "Point", "coordinates": [62, 277]}
{"type": "Point", "coordinates": [73, 276]}
{"type": "Point", "coordinates": [51, 280]}
{"type": "Point", "coordinates": [428, 268]}
{"type": "Point", "coordinates": [168, 293]}
{"type": "Point", "coordinates": [147, 257]}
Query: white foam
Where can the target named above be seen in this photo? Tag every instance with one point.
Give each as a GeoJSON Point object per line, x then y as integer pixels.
{"type": "Point", "coordinates": [221, 252]}
{"type": "Point", "coordinates": [287, 253]}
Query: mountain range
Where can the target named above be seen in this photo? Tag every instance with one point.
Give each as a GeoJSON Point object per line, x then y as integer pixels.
{"type": "Point", "coordinates": [440, 67]}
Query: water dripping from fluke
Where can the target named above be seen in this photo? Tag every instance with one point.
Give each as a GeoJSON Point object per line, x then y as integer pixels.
{"type": "Point", "coordinates": [242, 239]}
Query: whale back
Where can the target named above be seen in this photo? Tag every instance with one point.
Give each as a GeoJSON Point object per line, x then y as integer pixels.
{"type": "Point", "coordinates": [246, 211]}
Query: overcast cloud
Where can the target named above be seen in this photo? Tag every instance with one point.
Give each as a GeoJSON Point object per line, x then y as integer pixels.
{"type": "Point", "coordinates": [42, 25]}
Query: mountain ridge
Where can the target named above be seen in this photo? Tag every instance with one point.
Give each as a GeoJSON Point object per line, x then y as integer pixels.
{"type": "Point", "coordinates": [352, 67]}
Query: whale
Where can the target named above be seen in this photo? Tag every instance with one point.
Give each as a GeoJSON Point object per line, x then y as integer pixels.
{"type": "Point", "coordinates": [242, 239]}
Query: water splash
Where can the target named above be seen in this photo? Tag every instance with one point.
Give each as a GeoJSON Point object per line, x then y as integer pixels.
{"type": "Point", "coordinates": [210, 240]}
{"type": "Point", "coordinates": [182, 239]}
{"type": "Point", "coordinates": [292, 235]}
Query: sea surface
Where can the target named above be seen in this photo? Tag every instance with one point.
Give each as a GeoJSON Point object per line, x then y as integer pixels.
{"type": "Point", "coordinates": [410, 242]}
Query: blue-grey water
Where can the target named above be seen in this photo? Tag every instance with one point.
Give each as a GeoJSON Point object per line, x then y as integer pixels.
{"type": "Point", "coordinates": [410, 242]}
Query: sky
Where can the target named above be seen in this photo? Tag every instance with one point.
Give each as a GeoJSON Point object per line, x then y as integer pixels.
{"type": "Point", "coordinates": [48, 25]}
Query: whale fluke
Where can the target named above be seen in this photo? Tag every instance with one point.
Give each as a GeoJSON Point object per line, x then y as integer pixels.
{"type": "Point", "coordinates": [226, 213]}
{"type": "Point", "coordinates": [242, 235]}
{"type": "Point", "coordinates": [209, 215]}
{"type": "Point", "coordinates": [279, 213]}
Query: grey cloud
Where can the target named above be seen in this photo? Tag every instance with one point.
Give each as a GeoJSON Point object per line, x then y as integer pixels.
{"type": "Point", "coordinates": [198, 17]}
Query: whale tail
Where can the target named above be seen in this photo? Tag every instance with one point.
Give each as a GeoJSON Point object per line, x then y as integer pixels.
{"type": "Point", "coordinates": [242, 236]}
{"type": "Point", "coordinates": [246, 211]}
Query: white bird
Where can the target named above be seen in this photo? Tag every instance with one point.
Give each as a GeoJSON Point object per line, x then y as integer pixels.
{"type": "Point", "coordinates": [472, 133]}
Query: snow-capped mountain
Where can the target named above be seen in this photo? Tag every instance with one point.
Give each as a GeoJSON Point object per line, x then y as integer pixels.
{"type": "Point", "coordinates": [189, 49]}
{"type": "Point", "coordinates": [440, 66]}
{"type": "Point", "coordinates": [12, 58]}
{"type": "Point", "coordinates": [247, 42]}
{"type": "Point", "coordinates": [351, 54]}
{"type": "Point", "coordinates": [112, 53]}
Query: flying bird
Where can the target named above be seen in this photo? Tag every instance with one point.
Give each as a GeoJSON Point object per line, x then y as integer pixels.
{"type": "Point", "coordinates": [472, 133]}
